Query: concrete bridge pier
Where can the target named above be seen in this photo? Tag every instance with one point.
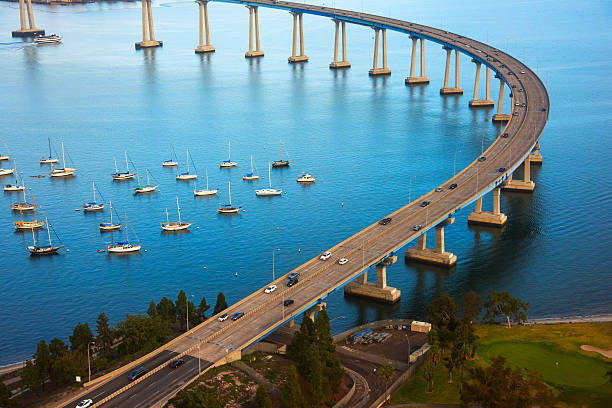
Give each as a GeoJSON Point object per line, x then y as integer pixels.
{"type": "Point", "coordinates": [525, 185]}
{"type": "Point", "coordinates": [344, 63]}
{"type": "Point", "coordinates": [302, 57]}
{"type": "Point", "coordinates": [437, 256]}
{"type": "Point", "coordinates": [204, 48]}
{"type": "Point", "coordinates": [375, 71]}
{"type": "Point", "coordinates": [24, 31]}
{"type": "Point", "coordinates": [499, 116]}
{"type": "Point", "coordinates": [257, 52]}
{"type": "Point", "coordinates": [456, 90]}
{"type": "Point", "coordinates": [494, 218]}
{"type": "Point", "coordinates": [487, 102]}
{"type": "Point", "coordinates": [420, 79]}
{"type": "Point", "coordinates": [148, 38]}
{"type": "Point", "coordinates": [375, 291]}
{"type": "Point", "coordinates": [536, 157]}
{"type": "Point", "coordinates": [310, 313]}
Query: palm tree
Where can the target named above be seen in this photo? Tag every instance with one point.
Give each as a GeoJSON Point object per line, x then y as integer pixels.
{"type": "Point", "coordinates": [386, 372]}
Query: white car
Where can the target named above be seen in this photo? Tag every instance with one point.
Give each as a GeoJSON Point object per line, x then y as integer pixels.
{"type": "Point", "coordinates": [270, 289]}
{"type": "Point", "coordinates": [223, 317]}
{"type": "Point", "coordinates": [85, 403]}
{"type": "Point", "coordinates": [325, 256]}
{"type": "Point", "coordinates": [342, 261]}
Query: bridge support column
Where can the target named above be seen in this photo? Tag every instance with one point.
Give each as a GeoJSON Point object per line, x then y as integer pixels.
{"type": "Point", "coordinates": [344, 63]}
{"type": "Point", "coordinates": [310, 313]}
{"type": "Point", "coordinates": [257, 52]}
{"type": "Point", "coordinates": [456, 90]}
{"type": "Point", "coordinates": [525, 185]}
{"type": "Point", "coordinates": [375, 291]}
{"type": "Point", "coordinates": [494, 218]}
{"type": "Point", "coordinates": [536, 157]}
{"type": "Point", "coordinates": [24, 31]}
{"type": "Point", "coordinates": [375, 71]}
{"type": "Point", "coordinates": [499, 116]}
{"type": "Point", "coordinates": [487, 102]}
{"type": "Point", "coordinates": [301, 57]}
{"type": "Point", "coordinates": [437, 256]}
{"type": "Point", "coordinates": [148, 40]}
{"type": "Point", "coordinates": [204, 48]}
{"type": "Point", "coordinates": [420, 79]}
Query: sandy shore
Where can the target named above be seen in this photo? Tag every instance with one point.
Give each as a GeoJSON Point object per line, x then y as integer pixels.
{"type": "Point", "coordinates": [571, 319]}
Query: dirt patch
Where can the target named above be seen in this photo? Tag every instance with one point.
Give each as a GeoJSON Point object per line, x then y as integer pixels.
{"type": "Point", "coordinates": [395, 346]}
{"type": "Point", "coordinates": [604, 352]}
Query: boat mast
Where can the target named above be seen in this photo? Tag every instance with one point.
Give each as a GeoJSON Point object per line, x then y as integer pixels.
{"type": "Point", "coordinates": [187, 160]}
{"type": "Point", "coordinates": [49, 139]}
{"type": "Point", "coordinates": [33, 203]}
{"type": "Point", "coordinates": [167, 218]}
{"type": "Point", "coordinates": [110, 204]}
{"type": "Point", "coordinates": [93, 186]}
{"type": "Point", "coordinates": [178, 209]}
{"type": "Point", "coordinates": [229, 151]}
{"type": "Point", "coordinates": [251, 164]}
{"type": "Point", "coordinates": [63, 156]}
{"type": "Point", "coordinates": [207, 180]}
{"type": "Point", "coordinates": [170, 152]}
{"type": "Point", "coordinates": [127, 166]}
{"type": "Point", "coordinates": [116, 169]}
{"type": "Point", "coordinates": [34, 238]}
{"type": "Point", "coordinates": [269, 176]}
{"type": "Point", "coordinates": [147, 177]}
{"type": "Point", "coordinates": [48, 230]}
{"type": "Point", "coordinates": [281, 149]}
{"type": "Point", "coordinates": [126, 234]}
{"type": "Point", "coordinates": [229, 189]}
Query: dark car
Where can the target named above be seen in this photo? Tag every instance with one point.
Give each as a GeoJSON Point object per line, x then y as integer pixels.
{"type": "Point", "coordinates": [505, 135]}
{"type": "Point", "coordinates": [293, 275]}
{"type": "Point", "coordinates": [384, 221]}
{"type": "Point", "coordinates": [137, 373]}
{"type": "Point", "coordinates": [424, 203]}
{"type": "Point", "coordinates": [417, 227]}
{"type": "Point", "coordinates": [513, 86]}
{"type": "Point", "coordinates": [501, 169]}
{"type": "Point", "coordinates": [176, 363]}
{"type": "Point", "coordinates": [292, 281]}
{"type": "Point", "coordinates": [453, 186]}
{"type": "Point", "coordinates": [237, 315]}
{"type": "Point", "coordinates": [288, 302]}
{"type": "Point", "coordinates": [482, 158]}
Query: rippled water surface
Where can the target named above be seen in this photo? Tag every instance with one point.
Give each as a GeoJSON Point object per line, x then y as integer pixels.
{"type": "Point", "coordinates": [368, 142]}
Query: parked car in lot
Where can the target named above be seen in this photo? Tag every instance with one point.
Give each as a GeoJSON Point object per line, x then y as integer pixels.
{"type": "Point", "coordinates": [223, 317]}
{"type": "Point", "coordinates": [424, 203]}
{"type": "Point", "coordinates": [293, 275]}
{"type": "Point", "coordinates": [342, 261]}
{"type": "Point", "coordinates": [270, 289]}
{"type": "Point", "coordinates": [325, 256]}
{"type": "Point", "coordinates": [292, 282]}
{"type": "Point", "coordinates": [452, 186]}
{"type": "Point", "coordinates": [137, 373]}
{"type": "Point", "coordinates": [237, 315]}
{"type": "Point", "coordinates": [385, 221]}
{"type": "Point", "coordinates": [176, 363]}
{"type": "Point", "coordinates": [417, 227]}
{"type": "Point", "coordinates": [85, 403]}
{"type": "Point", "coordinates": [288, 302]}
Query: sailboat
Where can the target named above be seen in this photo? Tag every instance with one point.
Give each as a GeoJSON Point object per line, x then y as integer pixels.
{"type": "Point", "coordinates": [4, 157]}
{"type": "Point", "coordinates": [23, 225]}
{"type": "Point", "coordinates": [281, 162]}
{"type": "Point", "coordinates": [109, 226]}
{"type": "Point", "coordinates": [7, 172]}
{"type": "Point", "coordinates": [170, 163]}
{"type": "Point", "coordinates": [227, 208]}
{"type": "Point", "coordinates": [187, 175]}
{"type": "Point", "coordinates": [267, 192]}
{"type": "Point", "coordinates": [175, 225]}
{"type": "Point", "coordinates": [25, 206]}
{"type": "Point", "coordinates": [93, 206]}
{"type": "Point", "coordinates": [50, 159]}
{"type": "Point", "coordinates": [228, 162]}
{"type": "Point", "coordinates": [206, 192]}
{"type": "Point", "coordinates": [44, 250]}
{"type": "Point", "coordinates": [64, 171]}
{"type": "Point", "coordinates": [305, 178]}
{"type": "Point", "coordinates": [126, 175]}
{"type": "Point", "coordinates": [251, 176]}
{"type": "Point", "coordinates": [147, 188]}
{"type": "Point", "coordinates": [13, 188]}
{"type": "Point", "coordinates": [124, 247]}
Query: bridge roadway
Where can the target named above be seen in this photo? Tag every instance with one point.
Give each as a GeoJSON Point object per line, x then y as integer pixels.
{"type": "Point", "coordinates": [265, 312]}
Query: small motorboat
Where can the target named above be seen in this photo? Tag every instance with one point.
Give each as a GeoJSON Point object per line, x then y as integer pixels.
{"type": "Point", "coordinates": [306, 178]}
{"type": "Point", "coordinates": [48, 39]}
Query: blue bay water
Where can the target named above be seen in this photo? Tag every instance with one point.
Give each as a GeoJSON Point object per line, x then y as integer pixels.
{"type": "Point", "coordinates": [368, 141]}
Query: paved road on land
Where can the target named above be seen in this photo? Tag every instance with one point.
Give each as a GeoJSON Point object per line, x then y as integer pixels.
{"type": "Point", "coordinates": [265, 312]}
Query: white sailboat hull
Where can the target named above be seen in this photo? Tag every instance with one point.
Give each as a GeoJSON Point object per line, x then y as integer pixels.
{"type": "Point", "coordinates": [22, 207]}
{"type": "Point", "coordinates": [250, 178]}
{"type": "Point", "coordinates": [199, 193]}
{"type": "Point", "coordinates": [13, 189]}
{"type": "Point", "coordinates": [228, 164]}
{"type": "Point", "coordinates": [48, 250]}
{"type": "Point", "coordinates": [184, 177]}
{"type": "Point", "coordinates": [48, 161]}
{"type": "Point", "coordinates": [28, 225]}
{"type": "Point", "coordinates": [4, 158]}
{"type": "Point", "coordinates": [66, 172]}
{"type": "Point", "coordinates": [123, 249]}
{"type": "Point", "coordinates": [6, 172]}
{"type": "Point", "coordinates": [147, 189]}
{"type": "Point", "coordinates": [267, 192]}
{"type": "Point", "coordinates": [176, 226]}
{"type": "Point", "coordinates": [169, 164]}
{"type": "Point", "coordinates": [123, 176]}
{"type": "Point", "coordinates": [228, 210]}
{"type": "Point", "coordinates": [110, 227]}
{"type": "Point", "coordinates": [93, 207]}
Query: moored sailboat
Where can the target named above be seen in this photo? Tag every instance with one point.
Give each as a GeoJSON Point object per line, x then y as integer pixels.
{"type": "Point", "coordinates": [281, 162]}
{"type": "Point", "coordinates": [145, 188]}
{"type": "Point", "coordinates": [268, 192]}
{"type": "Point", "coordinates": [25, 206]}
{"type": "Point", "coordinates": [93, 206]}
{"type": "Point", "coordinates": [125, 175]}
{"type": "Point", "coordinates": [7, 172]}
{"type": "Point", "coordinates": [13, 188]}
{"type": "Point", "coordinates": [175, 225]}
{"type": "Point", "coordinates": [26, 225]}
{"type": "Point", "coordinates": [109, 226]}
{"type": "Point", "coordinates": [187, 175]}
{"type": "Point", "coordinates": [50, 159]}
{"type": "Point", "coordinates": [228, 162]}
{"type": "Point", "coordinates": [228, 208]}
{"type": "Point", "coordinates": [125, 246]}
{"type": "Point", "coordinates": [171, 162]}
{"type": "Point", "coordinates": [47, 249]}
{"type": "Point", "coordinates": [207, 192]}
{"type": "Point", "coordinates": [250, 176]}
{"type": "Point", "coordinates": [64, 171]}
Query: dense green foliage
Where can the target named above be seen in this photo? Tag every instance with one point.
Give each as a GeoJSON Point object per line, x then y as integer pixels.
{"type": "Point", "coordinates": [5, 400]}
{"type": "Point", "coordinates": [291, 396]}
{"type": "Point", "coordinates": [199, 397]}
{"type": "Point", "coordinates": [502, 304]}
{"type": "Point", "coordinates": [221, 304]}
{"type": "Point", "coordinates": [262, 398]}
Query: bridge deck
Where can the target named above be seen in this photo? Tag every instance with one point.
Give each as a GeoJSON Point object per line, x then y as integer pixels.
{"type": "Point", "coordinates": [264, 312]}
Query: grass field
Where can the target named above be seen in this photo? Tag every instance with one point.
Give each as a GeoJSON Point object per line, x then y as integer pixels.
{"type": "Point", "coordinates": [576, 376]}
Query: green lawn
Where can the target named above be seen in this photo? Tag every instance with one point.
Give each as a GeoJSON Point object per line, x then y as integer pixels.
{"type": "Point", "coordinates": [576, 376]}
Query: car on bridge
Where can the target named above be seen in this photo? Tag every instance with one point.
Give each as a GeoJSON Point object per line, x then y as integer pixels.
{"type": "Point", "coordinates": [424, 203]}
{"type": "Point", "coordinates": [85, 403]}
{"type": "Point", "coordinates": [325, 256]}
{"type": "Point", "coordinates": [270, 289]}
{"type": "Point", "coordinates": [385, 221]}
{"type": "Point", "coordinates": [293, 275]}
{"type": "Point", "coordinates": [176, 363]}
{"type": "Point", "coordinates": [287, 302]}
{"type": "Point", "coordinates": [237, 315]}
{"type": "Point", "coordinates": [501, 169]}
{"type": "Point", "coordinates": [223, 317]}
{"type": "Point", "coordinates": [482, 158]}
{"type": "Point", "coordinates": [438, 189]}
{"type": "Point", "coordinates": [452, 186]}
{"type": "Point", "coordinates": [505, 135]}
{"type": "Point", "coordinates": [417, 227]}
{"type": "Point", "coordinates": [137, 373]}
{"type": "Point", "coordinates": [342, 261]}
{"type": "Point", "coordinates": [292, 281]}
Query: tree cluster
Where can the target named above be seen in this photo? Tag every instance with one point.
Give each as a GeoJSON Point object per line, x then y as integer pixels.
{"type": "Point", "coordinates": [317, 362]}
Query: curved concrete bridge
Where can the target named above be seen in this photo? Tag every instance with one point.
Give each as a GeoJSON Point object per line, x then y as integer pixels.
{"type": "Point", "coordinates": [214, 343]}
